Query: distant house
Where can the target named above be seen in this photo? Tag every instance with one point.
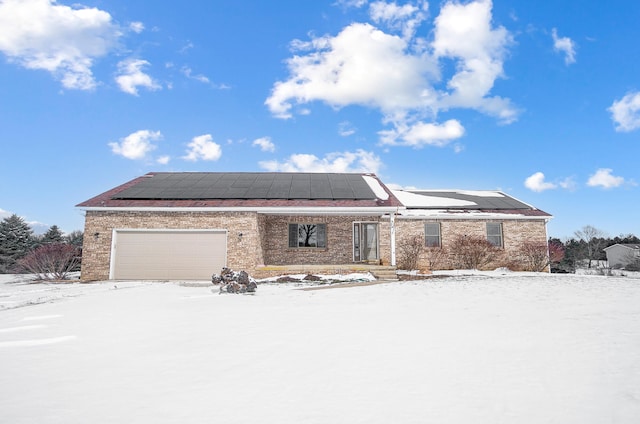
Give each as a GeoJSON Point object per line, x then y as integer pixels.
{"type": "Point", "coordinates": [621, 255]}
{"type": "Point", "coordinates": [189, 225]}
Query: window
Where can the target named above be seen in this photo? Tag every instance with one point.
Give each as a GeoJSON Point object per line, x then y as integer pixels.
{"type": "Point", "coordinates": [494, 233]}
{"type": "Point", "coordinates": [432, 234]}
{"type": "Point", "coordinates": [307, 235]}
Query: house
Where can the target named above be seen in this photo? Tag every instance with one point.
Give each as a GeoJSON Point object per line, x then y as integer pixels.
{"type": "Point", "coordinates": [444, 215]}
{"type": "Point", "coordinates": [188, 225]}
{"type": "Point", "coordinates": [622, 255]}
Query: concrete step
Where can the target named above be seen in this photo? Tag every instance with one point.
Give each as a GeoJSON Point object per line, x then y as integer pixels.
{"type": "Point", "coordinates": [385, 273]}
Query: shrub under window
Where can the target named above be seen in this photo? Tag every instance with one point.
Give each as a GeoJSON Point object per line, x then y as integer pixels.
{"type": "Point", "coordinates": [307, 235]}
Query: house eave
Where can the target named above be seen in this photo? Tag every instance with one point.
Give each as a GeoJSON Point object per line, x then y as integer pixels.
{"type": "Point", "coordinates": [378, 210]}
{"type": "Point", "coordinates": [458, 215]}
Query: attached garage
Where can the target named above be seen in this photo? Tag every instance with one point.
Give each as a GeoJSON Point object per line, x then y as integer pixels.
{"type": "Point", "coordinates": [159, 254]}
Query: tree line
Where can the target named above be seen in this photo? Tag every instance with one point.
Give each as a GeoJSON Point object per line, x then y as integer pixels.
{"type": "Point", "coordinates": [586, 248]}
{"type": "Point", "coordinates": [50, 255]}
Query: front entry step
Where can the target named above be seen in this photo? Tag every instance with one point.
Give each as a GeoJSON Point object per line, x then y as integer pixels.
{"type": "Point", "coordinates": [385, 273]}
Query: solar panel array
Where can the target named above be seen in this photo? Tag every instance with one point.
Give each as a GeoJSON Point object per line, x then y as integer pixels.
{"type": "Point", "coordinates": [248, 185]}
{"type": "Point", "coordinates": [482, 202]}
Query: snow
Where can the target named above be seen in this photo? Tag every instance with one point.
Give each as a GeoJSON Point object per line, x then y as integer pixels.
{"type": "Point", "coordinates": [466, 214]}
{"type": "Point", "coordinates": [419, 200]}
{"type": "Point", "coordinates": [496, 347]}
{"type": "Point", "coordinates": [374, 184]}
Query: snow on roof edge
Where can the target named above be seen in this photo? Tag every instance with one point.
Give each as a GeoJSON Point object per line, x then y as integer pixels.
{"type": "Point", "coordinates": [377, 188]}
{"type": "Point", "coordinates": [411, 199]}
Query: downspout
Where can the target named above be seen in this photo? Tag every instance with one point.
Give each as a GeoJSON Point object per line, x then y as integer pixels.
{"type": "Point", "coordinates": [392, 223]}
{"type": "Point", "coordinates": [546, 234]}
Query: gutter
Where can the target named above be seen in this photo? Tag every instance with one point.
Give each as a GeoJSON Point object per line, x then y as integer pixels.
{"type": "Point", "coordinates": [325, 210]}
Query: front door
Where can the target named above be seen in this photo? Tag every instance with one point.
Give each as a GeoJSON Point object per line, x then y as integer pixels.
{"type": "Point", "coordinates": [365, 241]}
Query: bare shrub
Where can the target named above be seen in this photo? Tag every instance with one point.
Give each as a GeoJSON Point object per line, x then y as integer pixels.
{"type": "Point", "coordinates": [533, 256]}
{"type": "Point", "coordinates": [410, 249]}
{"type": "Point", "coordinates": [435, 257]}
{"type": "Point", "coordinates": [472, 252]}
{"type": "Point", "coordinates": [51, 261]}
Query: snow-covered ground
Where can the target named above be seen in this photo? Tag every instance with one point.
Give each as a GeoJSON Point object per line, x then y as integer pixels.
{"type": "Point", "coordinates": [487, 348]}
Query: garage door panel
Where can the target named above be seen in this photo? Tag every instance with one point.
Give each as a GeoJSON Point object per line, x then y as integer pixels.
{"type": "Point", "coordinates": [168, 254]}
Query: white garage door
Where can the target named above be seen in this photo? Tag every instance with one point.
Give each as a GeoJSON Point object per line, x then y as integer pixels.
{"type": "Point", "coordinates": [168, 254]}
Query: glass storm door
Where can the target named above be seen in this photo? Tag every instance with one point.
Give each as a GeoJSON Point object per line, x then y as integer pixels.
{"type": "Point", "coordinates": [365, 241]}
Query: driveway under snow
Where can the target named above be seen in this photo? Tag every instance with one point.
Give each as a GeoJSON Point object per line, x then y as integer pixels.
{"type": "Point", "coordinates": [466, 349]}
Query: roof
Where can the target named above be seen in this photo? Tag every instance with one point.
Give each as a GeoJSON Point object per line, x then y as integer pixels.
{"type": "Point", "coordinates": [247, 190]}
{"type": "Point", "coordinates": [626, 245]}
{"type": "Point", "coordinates": [480, 203]}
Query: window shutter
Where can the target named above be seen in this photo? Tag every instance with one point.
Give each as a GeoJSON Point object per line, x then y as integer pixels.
{"type": "Point", "coordinates": [293, 235]}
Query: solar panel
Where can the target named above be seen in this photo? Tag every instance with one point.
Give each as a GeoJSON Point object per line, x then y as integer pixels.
{"type": "Point", "coordinates": [249, 185]}
{"type": "Point", "coordinates": [480, 202]}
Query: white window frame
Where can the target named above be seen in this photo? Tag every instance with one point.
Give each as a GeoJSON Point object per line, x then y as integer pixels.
{"type": "Point", "coordinates": [427, 235]}
{"type": "Point", "coordinates": [491, 235]}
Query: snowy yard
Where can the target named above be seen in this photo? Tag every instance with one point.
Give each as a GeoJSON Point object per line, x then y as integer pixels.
{"type": "Point", "coordinates": [496, 348]}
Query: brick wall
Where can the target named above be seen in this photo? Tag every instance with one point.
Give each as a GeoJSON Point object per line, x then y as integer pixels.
{"type": "Point", "coordinates": [242, 252]}
{"type": "Point", "coordinates": [514, 232]}
{"type": "Point", "coordinates": [339, 248]}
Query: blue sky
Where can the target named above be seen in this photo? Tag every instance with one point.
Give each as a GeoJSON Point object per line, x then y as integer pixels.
{"type": "Point", "coordinates": [538, 99]}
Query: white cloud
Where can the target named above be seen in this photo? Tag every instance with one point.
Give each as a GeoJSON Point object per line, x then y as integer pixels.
{"type": "Point", "coordinates": [358, 161]}
{"type": "Point", "coordinates": [345, 129]}
{"type": "Point", "coordinates": [361, 65]}
{"type": "Point", "coordinates": [136, 27]}
{"type": "Point", "coordinates": [352, 3]}
{"type": "Point", "coordinates": [203, 147]}
{"type": "Point", "coordinates": [131, 76]}
{"type": "Point", "coordinates": [41, 34]}
{"type": "Point", "coordinates": [4, 214]}
{"type": "Point", "coordinates": [603, 178]}
{"type": "Point", "coordinates": [626, 112]}
{"type": "Point", "coordinates": [423, 134]}
{"type": "Point", "coordinates": [163, 160]}
{"type": "Point", "coordinates": [136, 145]}
{"type": "Point", "coordinates": [199, 77]}
{"type": "Point", "coordinates": [401, 75]}
{"type": "Point", "coordinates": [464, 33]}
{"type": "Point", "coordinates": [405, 18]}
{"type": "Point", "coordinates": [568, 183]}
{"type": "Point", "coordinates": [265, 144]}
{"type": "Point", "coordinates": [537, 183]}
{"type": "Point", "coordinates": [564, 45]}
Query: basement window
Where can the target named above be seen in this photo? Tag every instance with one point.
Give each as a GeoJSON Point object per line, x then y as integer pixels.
{"type": "Point", "coordinates": [306, 236]}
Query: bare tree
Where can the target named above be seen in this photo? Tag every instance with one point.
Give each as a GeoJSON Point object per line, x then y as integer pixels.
{"type": "Point", "coordinates": [306, 232]}
{"type": "Point", "coordinates": [594, 240]}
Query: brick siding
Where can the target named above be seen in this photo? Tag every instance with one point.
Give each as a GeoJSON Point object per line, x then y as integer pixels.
{"type": "Point", "coordinates": [514, 232]}
{"type": "Point", "coordinates": [242, 252]}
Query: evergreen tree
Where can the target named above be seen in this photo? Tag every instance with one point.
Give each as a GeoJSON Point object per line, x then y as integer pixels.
{"type": "Point", "coordinates": [74, 238]}
{"type": "Point", "coordinates": [16, 240]}
{"type": "Point", "coordinates": [53, 235]}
